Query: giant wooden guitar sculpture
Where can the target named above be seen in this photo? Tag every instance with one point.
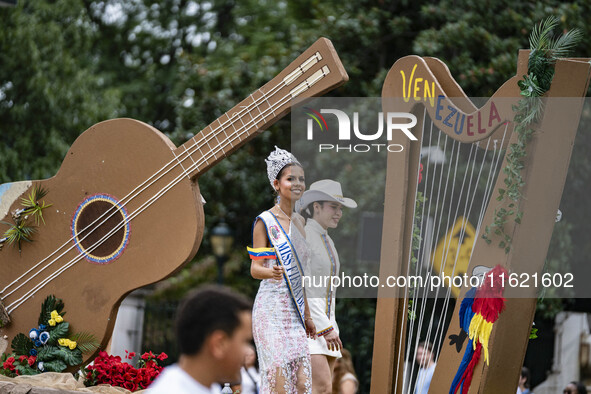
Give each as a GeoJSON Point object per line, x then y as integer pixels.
{"type": "Point", "coordinates": [424, 86]}
{"type": "Point", "coordinates": [126, 210]}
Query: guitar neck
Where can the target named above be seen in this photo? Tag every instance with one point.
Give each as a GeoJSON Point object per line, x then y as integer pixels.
{"type": "Point", "coordinates": [315, 72]}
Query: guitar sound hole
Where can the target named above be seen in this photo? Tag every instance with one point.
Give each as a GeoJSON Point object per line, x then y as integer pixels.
{"type": "Point", "coordinates": [100, 228]}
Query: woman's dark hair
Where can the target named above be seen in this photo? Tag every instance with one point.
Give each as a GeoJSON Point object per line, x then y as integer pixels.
{"type": "Point", "coordinates": [280, 174]}
{"type": "Point", "coordinates": [525, 374]}
{"type": "Point", "coordinates": [206, 310]}
{"type": "Point", "coordinates": [308, 212]}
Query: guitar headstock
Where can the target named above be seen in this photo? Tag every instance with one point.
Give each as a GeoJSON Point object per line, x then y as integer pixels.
{"type": "Point", "coordinates": [316, 71]}
{"type": "Point", "coordinates": [321, 69]}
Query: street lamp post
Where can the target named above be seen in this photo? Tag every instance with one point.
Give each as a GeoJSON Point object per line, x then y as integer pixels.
{"type": "Point", "coordinates": [221, 243]}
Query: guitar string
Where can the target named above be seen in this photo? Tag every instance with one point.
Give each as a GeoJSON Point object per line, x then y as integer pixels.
{"type": "Point", "coordinates": [74, 260]}
{"type": "Point", "coordinates": [130, 195]}
{"type": "Point", "coordinates": [116, 228]}
{"type": "Point", "coordinates": [27, 295]}
{"type": "Point", "coordinates": [249, 108]}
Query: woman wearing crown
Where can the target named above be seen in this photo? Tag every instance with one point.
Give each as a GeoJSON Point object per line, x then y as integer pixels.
{"type": "Point", "coordinates": [281, 317]}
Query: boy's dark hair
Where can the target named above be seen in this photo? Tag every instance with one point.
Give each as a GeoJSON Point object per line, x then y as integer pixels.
{"type": "Point", "coordinates": [581, 389]}
{"type": "Point", "coordinates": [205, 310]}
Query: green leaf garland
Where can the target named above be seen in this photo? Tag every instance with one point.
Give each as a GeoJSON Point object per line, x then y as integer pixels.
{"type": "Point", "coordinates": [545, 50]}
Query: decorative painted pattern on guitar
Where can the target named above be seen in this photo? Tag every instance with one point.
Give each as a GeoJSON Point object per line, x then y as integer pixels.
{"type": "Point", "coordinates": [126, 210]}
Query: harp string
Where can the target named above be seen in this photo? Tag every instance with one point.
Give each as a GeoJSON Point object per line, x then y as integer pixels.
{"type": "Point", "coordinates": [497, 153]}
{"type": "Point", "coordinates": [453, 164]}
{"type": "Point", "coordinates": [419, 267]}
{"type": "Point", "coordinates": [406, 289]}
{"type": "Point", "coordinates": [464, 202]}
{"type": "Point", "coordinates": [448, 241]}
{"type": "Point", "coordinates": [466, 214]}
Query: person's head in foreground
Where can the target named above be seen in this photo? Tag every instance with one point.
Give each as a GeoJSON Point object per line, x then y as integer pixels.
{"type": "Point", "coordinates": [213, 328]}
{"type": "Point", "coordinates": [575, 388]}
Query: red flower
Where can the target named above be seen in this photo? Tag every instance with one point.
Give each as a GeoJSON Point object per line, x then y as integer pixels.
{"type": "Point", "coordinates": [9, 364]}
{"type": "Point", "coordinates": [162, 356]}
{"type": "Point", "coordinates": [131, 386]}
{"type": "Point", "coordinates": [32, 360]}
{"type": "Point", "coordinates": [148, 356]}
{"type": "Point", "coordinates": [110, 370]}
{"type": "Point", "coordinates": [22, 358]}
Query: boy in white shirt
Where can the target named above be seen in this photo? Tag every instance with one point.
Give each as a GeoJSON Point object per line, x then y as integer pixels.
{"type": "Point", "coordinates": [214, 328]}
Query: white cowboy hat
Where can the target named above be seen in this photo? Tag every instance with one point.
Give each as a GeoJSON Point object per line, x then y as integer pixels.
{"type": "Point", "coordinates": [325, 190]}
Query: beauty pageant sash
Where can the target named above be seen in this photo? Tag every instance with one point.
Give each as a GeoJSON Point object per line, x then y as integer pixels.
{"type": "Point", "coordinates": [288, 258]}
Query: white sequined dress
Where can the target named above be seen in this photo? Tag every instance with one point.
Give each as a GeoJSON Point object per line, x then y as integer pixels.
{"type": "Point", "coordinates": [280, 337]}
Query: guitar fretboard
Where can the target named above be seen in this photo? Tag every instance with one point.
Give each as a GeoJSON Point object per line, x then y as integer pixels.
{"type": "Point", "coordinates": [310, 74]}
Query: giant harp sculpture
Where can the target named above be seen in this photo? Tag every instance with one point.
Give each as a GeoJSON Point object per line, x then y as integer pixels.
{"type": "Point", "coordinates": [424, 86]}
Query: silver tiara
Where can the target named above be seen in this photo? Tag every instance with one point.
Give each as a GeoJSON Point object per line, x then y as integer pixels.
{"type": "Point", "coordinates": [277, 160]}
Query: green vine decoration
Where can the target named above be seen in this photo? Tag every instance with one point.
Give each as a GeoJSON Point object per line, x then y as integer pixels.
{"type": "Point", "coordinates": [21, 231]}
{"type": "Point", "coordinates": [545, 50]}
{"type": "Point", "coordinates": [416, 244]}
